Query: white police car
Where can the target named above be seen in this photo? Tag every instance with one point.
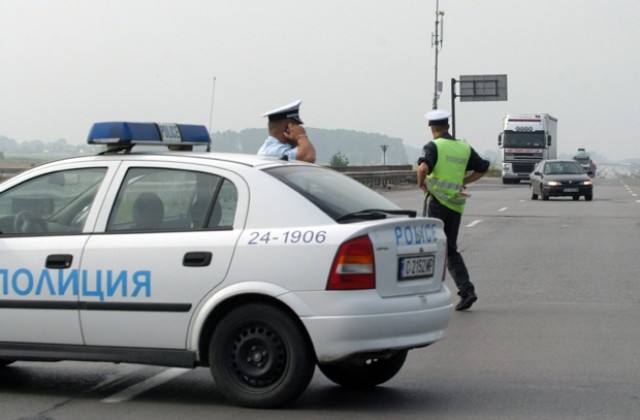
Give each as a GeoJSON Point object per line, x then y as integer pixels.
{"type": "Point", "coordinates": [258, 268]}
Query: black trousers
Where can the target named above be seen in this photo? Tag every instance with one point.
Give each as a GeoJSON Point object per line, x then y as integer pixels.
{"type": "Point", "coordinates": [455, 263]}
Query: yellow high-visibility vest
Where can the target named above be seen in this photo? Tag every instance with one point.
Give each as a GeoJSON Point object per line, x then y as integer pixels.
{"type": "Point", "coordinates": [445, 180]}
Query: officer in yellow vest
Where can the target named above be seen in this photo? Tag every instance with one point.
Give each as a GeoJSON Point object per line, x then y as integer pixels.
{"type": "Point", "coordinates": [444, 170]}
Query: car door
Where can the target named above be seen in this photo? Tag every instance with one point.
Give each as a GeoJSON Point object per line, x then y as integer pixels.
{"type": "Point", "coordinates": [168, 241]}
{"type": "Point", "coordinates": [45, 220]}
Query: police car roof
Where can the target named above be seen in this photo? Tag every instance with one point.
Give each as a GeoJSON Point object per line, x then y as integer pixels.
{"type": "Point", "coordinates": [130, 133]}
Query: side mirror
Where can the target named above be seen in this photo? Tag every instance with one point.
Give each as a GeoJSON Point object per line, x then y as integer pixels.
{"type": "Point", "coordinates": [537, 173]}
{"type": "Point", "coordinates": [548, 139]}
{"type": "Point", "coordinates": [499, 139]}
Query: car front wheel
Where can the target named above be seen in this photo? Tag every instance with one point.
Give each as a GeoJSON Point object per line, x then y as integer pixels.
{"type": "Point", "coordinates": [260, 356]}
{"type": "Point", "coordinates": [365, 373]}
{"type": "Point", "coordinates": [588, 197]}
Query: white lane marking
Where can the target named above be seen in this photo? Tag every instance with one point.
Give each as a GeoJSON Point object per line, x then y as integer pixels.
{"type": "Point", "coordinates": [137, 389]}
{"type": "Point", "coordinates": [503, 209]}
{"type": "Point", "coordinates": [475, 222]}
{"type": "Point", "coordinates": [128, 370]}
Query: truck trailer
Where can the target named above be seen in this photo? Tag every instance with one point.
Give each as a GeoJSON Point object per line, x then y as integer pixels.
{"type": "Point", "coordinates": [525, 140]}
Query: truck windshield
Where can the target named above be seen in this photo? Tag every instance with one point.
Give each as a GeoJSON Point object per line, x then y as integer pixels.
{"type": "Point", "coordinates": [524, 139]}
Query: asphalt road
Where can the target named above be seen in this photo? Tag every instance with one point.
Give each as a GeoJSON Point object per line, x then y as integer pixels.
{"type": "Point", "coordinates": [554, 335]}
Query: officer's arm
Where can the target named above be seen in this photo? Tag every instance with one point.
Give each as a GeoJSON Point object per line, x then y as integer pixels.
{"type": "Point", "coordinates": [298, 138]}
{"type": "Point", "coordinates": [472, 177]}
{"type": "Point", "coordinates": [306, 151]}
{"type": "Point", "coordinates": [421, 174]}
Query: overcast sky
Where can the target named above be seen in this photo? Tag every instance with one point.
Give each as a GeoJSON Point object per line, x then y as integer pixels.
{"type": "Point", "coordinates": [364, 65]}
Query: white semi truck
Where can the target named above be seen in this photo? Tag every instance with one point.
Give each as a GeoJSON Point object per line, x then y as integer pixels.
{"type": "Point", "coordinates": [525, 140]}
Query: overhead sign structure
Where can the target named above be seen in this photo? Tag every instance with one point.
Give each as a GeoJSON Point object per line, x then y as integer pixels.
{"type": "Point", "coordinates": [480, 88]}
{"type": "Point", "coordinates": [491, 87]}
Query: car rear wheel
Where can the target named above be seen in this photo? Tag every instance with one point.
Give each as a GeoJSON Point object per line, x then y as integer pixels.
{"type": "Point", "coordinates": [260, 357]}
{"type": "Point", "coordinates": [365, 373]}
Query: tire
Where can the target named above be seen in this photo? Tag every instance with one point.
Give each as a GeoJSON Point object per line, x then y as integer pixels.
{"type": "Point", "coordinates": [365, 375]}
{"type": "Point", "coordinates": [575, 197]}
{"type": "Point", "coordinates": [545, 197]}
{"type": "Point", "coordinates": [261, 357]}
{"type": "Point", "coordinates": [588, 197]}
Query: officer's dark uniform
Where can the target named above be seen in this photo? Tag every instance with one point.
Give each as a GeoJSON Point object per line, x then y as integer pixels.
{"type": "Point", "coordinates": [452, 219]}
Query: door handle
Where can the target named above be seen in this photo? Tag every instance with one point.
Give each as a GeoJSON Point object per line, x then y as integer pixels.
{"type": "Point", "coordinates": [197, 259]}
{"type": "Point", "coordinates": [59, 261]}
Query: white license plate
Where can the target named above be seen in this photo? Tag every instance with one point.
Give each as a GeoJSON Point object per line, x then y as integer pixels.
{"type": "Point", "coordinates": [571, 190]}
{"type": "Point", "coordinates": [416, 267]}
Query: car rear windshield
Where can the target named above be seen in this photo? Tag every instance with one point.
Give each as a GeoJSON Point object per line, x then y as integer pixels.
{"type": "Point", "coordinates": [334, 193]}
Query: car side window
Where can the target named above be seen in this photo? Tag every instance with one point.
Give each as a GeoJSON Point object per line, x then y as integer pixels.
{"type": "Point", "coordinates": [51, 204]}
{"type": "Point", "coordinates": [156, 199]}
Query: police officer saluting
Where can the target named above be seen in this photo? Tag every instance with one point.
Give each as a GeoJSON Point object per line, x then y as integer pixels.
{"type": "Point", "coordinates": [287, 139]}
{"type": "Point", "coordinates": [444, 170]}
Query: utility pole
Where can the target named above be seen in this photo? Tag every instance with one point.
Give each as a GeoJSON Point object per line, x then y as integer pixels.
{"type": "Point", "coordinates": [436, 42]}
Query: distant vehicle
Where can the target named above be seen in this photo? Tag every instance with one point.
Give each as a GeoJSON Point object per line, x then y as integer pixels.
{"type": "Point", "coordinates": [584, 159]}
{"type": "Point", "coordinates": [560, 178]}
{"type": "Point", "coordinates": [258, 268]}
{"type": "Point", "coordinates": [525, 140]}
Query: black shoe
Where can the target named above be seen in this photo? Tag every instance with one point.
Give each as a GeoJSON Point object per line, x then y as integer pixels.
{"type": "Point", "coordinates": [466, 301]}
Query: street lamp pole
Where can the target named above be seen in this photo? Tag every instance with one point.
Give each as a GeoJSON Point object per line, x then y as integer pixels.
{"type": "Point", "coordinates": [213, 96]}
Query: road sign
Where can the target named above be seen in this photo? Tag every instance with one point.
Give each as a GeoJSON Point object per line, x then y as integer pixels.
{"type": "Point", "coordinates": [491, 87]}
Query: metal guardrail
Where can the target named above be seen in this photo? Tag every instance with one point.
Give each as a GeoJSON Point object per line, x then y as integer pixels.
{"type": "Point", "coordinates": [380, 175]}
{"type": "Point", "coordinates": [371, 176]}
{"type": "Point", "coordinates": [7, 170]}
{"type": "Point", "coordinates": [384, 178]}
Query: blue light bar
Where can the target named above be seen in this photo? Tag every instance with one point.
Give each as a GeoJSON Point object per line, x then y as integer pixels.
{"type": "Point", "coordinates": [129, 133]}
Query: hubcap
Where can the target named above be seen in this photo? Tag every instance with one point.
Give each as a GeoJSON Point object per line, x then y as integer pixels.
{"type": "Point", "coordinates": [257, 356]}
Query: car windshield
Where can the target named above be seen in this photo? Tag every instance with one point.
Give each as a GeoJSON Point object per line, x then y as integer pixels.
{"type": "Point", "coordinates": [342, 198]}
{"type": "Point", "coordinates": [563, 168]}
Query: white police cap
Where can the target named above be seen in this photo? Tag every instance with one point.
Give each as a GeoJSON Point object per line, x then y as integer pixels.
{"type": "Point", "coordinates": [438, 117]}
{"type": "Point", "coordinates": [290, 111]}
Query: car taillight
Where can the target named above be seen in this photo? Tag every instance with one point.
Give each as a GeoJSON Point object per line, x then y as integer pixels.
{"type": "Point", "coordinates": [353, 267]}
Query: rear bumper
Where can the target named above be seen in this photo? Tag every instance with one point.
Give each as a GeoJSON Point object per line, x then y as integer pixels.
{"type": "Point", "coordinates": [347, 323]}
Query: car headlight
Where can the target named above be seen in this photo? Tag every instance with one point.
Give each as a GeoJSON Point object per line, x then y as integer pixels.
{"type": "Point", "coordinates": [586, 182]}
{"type": "Point", "coordinates": [553, 183]}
